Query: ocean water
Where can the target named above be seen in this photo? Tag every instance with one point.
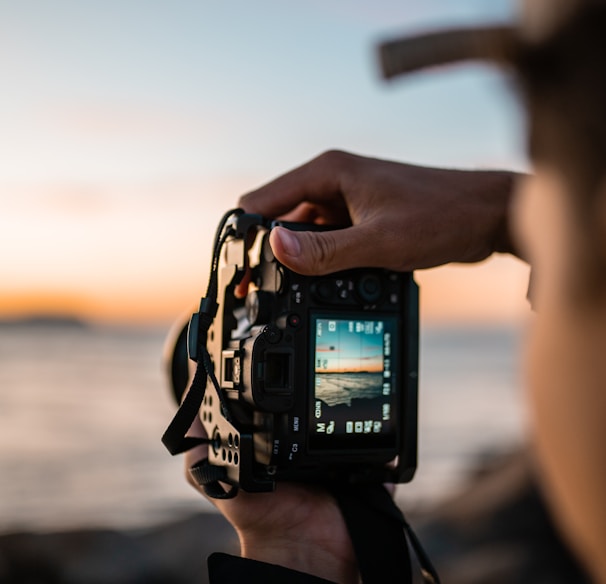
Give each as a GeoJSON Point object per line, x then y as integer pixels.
{"type": "Point", "coordinates": [82, 411]}
{"type": "Point", "coordinates": [341, 388]}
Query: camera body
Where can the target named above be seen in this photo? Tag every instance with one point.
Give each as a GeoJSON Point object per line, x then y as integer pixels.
{"type": "Point", "coordinates": [319, 373]}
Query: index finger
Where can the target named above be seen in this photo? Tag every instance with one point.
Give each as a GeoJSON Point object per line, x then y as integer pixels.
{"type": "Point", "coordinates": [318, 181]}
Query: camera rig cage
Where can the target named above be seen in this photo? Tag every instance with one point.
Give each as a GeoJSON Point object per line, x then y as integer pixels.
{"type": "Point", "coordinates": [306, 378]}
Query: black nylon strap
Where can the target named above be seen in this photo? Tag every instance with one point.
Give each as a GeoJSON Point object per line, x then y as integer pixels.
{"type": "Point", "coordinates": [429, 572]}
{"type": "Point", "coordinates": [174, 438]}
{"type": "Point", "coordinates": [377, 535]}
{"type": "Point", "coordinates": [378, 532]}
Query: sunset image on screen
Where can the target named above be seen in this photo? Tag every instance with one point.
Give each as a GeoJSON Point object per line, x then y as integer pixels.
{"type": "Point", "coordinates": [349, 360]}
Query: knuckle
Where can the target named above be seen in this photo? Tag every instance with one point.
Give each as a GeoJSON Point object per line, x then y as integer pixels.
{"type": "Point", "coordinates": [343, 166]}
{"type": "Point", "coordinates": [335, 159]}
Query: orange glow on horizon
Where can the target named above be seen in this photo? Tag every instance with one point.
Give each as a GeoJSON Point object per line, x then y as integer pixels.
{"type": "Point", "coordinates": [342, 370]}
{"type": "Point", "coordinates": [494, 292]}
{"type": "Point", "coordinates": [143, 310]}
{"type": "Point", "coordinates": [43, 303]}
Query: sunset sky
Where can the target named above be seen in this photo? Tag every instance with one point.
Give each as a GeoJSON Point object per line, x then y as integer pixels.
{"type": "Point", "coordinates": [349, 346]}
{"type": "Point", "coordinates": [127, 127]}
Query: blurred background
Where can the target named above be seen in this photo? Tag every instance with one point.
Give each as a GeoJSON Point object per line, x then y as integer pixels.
{"type": "Point", "coordinates": [127, 128]}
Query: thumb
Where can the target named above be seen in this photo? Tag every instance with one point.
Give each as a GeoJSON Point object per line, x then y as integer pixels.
{"type": "Point", "coordinates": [311, 252]}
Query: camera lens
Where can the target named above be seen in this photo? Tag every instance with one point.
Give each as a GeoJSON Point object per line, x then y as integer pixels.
{"type": "Point", "coordinates": [369, 288]}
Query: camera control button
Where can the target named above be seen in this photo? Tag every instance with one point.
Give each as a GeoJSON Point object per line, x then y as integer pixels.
{"type": "Point", "coordinates": [216, 441]}
{"type": "Point", "coordinates": [296, 294]}
{"type": "Point", "coordinates": [369, 288]}
{"type": "Point", "coordinates": [294, 320]}
{"type": "Point", "coordinates": [323, 290]}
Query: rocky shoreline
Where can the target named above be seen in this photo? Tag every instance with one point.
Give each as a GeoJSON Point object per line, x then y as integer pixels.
{"type": "Point", "coordinates": [496, 530]}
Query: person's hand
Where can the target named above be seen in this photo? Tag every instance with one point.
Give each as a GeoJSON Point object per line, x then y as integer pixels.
{"type": "Point", "coordinates": [401, 217]}
{"type": "Point", "coordinates": [297, 526]}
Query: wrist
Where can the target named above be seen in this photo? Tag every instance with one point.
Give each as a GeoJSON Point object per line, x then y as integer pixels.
{"type": "Point", "coordinates": [504, 188]}
{"type": "Point", "coordinates": [314, 559]}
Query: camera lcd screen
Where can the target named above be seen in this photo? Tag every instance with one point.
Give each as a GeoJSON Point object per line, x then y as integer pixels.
{"type": "Point", "coordinates": [353, 398]}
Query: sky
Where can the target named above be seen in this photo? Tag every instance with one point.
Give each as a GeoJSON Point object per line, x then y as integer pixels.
{"type": "Point", "coordinates": [127, 128]}
{"type": "Point", "coordinates": [348, 346]}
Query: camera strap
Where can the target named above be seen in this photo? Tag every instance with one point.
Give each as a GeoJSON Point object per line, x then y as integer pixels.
{"type": "Point", "coordinates": [381, 536]}
{"type": "Point", "coordinates": [175, 437]}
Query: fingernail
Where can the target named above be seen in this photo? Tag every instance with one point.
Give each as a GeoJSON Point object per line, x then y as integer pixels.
{"type": "Point", "coordinates": [290, 243]}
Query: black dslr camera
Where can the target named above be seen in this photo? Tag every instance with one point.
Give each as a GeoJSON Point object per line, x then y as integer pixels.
{"type": "Point", "coordinates": [307, 378]}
